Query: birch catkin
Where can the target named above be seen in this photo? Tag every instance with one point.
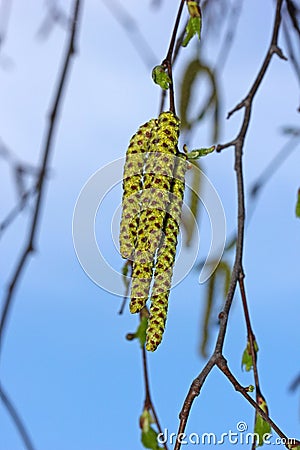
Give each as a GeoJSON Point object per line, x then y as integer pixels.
{"type": "Point", "coordinates": [158, 173]}
{"type": "Point", "coordinates": [152, 202]}
{"type": "Point", "coordinates": [132, 185]}
{"type": "Point", "coordinates": [165, 260]}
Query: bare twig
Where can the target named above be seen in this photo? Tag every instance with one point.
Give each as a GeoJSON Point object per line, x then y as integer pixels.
{"type": "Point", "coordinates": [222, 364]}
{"type": "Point", "coordinates": [16, 419]}
{"type": "Point", "coordinates": [217, 357]}
{"type": "Point", "coordinates": [17, 209]}
{"type": "Point", "coordinates": [251, 336]}
{"type": "Point", "coordinates": [148, 403]}
{"type": "Point", "coordinates": [252, 341]}
{"type": "Point", "coordinates": [168, 61]}
{"type": "Point", "coordinates": [47, 148]}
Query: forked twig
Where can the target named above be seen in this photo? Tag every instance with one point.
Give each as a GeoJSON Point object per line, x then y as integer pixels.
{"type": "Point", "coordinates": [217, 358]}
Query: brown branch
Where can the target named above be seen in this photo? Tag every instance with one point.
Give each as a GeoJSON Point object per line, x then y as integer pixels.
{"type": "Point", "coordinates": [167, 62]}
{"type": "Point", "coordinates": [237, 272]}
{"type": "Point", "coordinates": [222, 365]}
{"type": "Point", "coordinates": [251, 336]}
{"type": "Point", "coordinates": [47, 148]}
{"type": "Point", "coordinates": [251, 340]}
{"type": "Point", "coordinates": [148, 403]}
{"type": "Point", "coordinates": [16, 419]}
{"type": "Point", "coordinates": [17, 209]}
{"type": "Point", "coordinates": [248, 100]}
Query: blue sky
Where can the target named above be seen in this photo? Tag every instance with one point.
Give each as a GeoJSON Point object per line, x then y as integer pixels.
{"type": "Point", "coordinates": [75, 379]}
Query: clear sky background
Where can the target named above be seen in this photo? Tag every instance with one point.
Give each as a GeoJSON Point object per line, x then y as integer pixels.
{"type": "Point", "coordinates": [66, 363]}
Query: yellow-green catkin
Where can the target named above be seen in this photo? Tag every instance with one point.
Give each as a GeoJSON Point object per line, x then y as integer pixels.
{"type": "Point", "coordinates": [132, 186]}
{"type": "Point", "coordinates": [157, 182]}
{"type": "Point", "coordinates": [166, 258]}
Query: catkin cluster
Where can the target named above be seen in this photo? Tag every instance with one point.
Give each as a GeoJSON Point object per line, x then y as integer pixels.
{"type": "Point", "coordinates": [153, 188]}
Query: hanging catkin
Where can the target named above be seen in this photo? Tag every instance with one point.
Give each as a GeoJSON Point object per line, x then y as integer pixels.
{"type": "Point", "coordinates": [153, 186]}
{"type": "Point", "coordinates": [154, 198]}
{"type": "Point", "coordinates": [132, 185]}
{"type": "Point", "coordinates": [166, 258]}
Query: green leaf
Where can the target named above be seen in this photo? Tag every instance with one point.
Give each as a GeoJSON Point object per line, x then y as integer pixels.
{"type": "Point", "coordinates": [247, 362]}
{"type": "Point", "coordinates": [141, 331]}
{"type": "Point", "coordinates": [149, 439]}
{"type": "Point", "coordinates": [193, 27]}
{"type": "Point", "coordinates": [261, 426]}
{"type": "Point", "coordinates": [298, 205]}
{"type": "Point", "coordinates": [160, 77]}
{"type": "Point", "coordinates": [199, 152]}
{"type": "Point", "coordinates": [149, 435]}
{"type": "Point", "coordinates": [194, 24]}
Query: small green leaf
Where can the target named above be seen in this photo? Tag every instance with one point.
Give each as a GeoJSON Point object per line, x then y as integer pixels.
{"type": "Point", "coordinates": [261, 426]}
{"type": "Point", "coordinates": [149, 435]}
{"type": "Point", "coordinates": [141, 331]}
{"type": "Point", "coordinates": [193, 27]}
{"type": "Point", "coordinates": [247, 362]}
{"type": "Point", "coordinates": [199, 152]}
{"type": "Point", "coordinates": [125, 270]}
{"type": "Point", "coordinates": [160, 77]}
{"type": "Point", "coordinates": [149, 439]}
{"type": "Point", "coordinates": [298, 205]}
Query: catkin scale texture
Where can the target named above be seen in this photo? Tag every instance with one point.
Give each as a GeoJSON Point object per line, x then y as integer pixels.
{"type": "Point", "coordinates": [132, 185]}
{"type": "Point", "coordinates": [153, 187]}
{"type": "Point", "coordinates": [165, 260]}
{"type": "Point", "coordinates": [157, 182]}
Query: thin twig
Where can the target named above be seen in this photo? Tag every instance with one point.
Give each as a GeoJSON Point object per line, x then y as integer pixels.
{"type": "Point", "coordinates": [252, 341]}
{"type": "Point", "coordinates": [167, 62]}
{"type": "Point", "coordinates": [251, 336]}
{"type": "Point", "coordinates": [17, 209]}
{"type": "Point", "coordinates": [222, 365]}
{"type": "Point", "coordinates": [47, 148]}
{"type": "Point", "coordinates": [217, 357]}
{"type": "Point", "coordinates": [11, 409]}
{"type": "Point", "coordinates": [148, 403]}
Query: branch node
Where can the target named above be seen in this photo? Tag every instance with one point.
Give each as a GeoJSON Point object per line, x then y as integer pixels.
{"type": "Point", "coordinates": [239, 106]}
{"type": "Point", "coordinates": [277, 50]}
